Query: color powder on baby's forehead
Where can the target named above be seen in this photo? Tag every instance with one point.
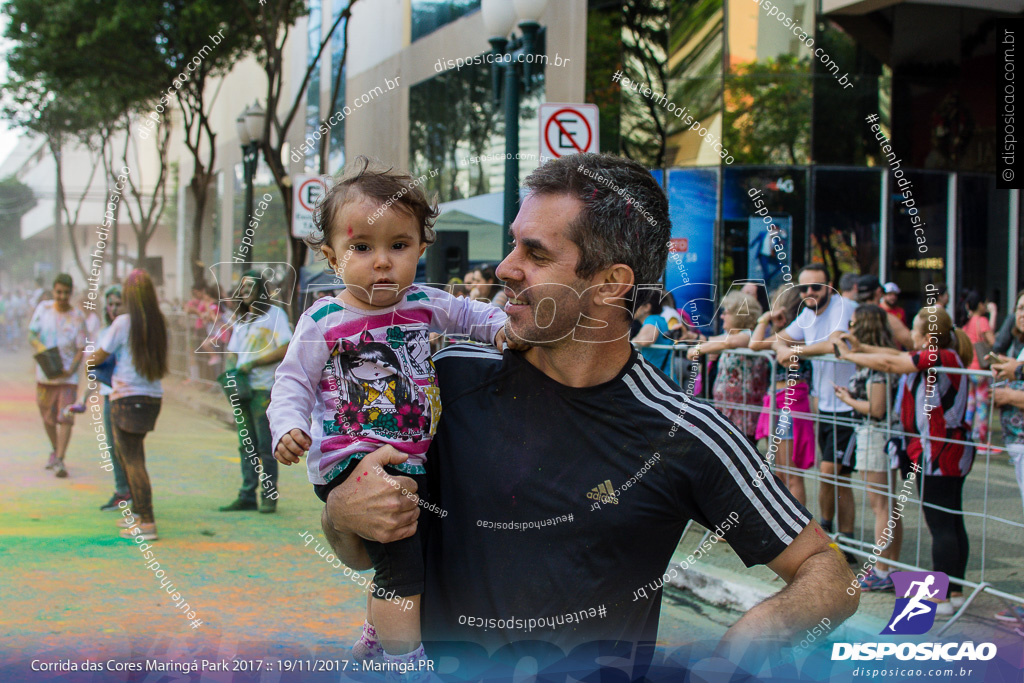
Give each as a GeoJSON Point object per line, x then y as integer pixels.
{"type": "Point", "coordinates": [349, 229]}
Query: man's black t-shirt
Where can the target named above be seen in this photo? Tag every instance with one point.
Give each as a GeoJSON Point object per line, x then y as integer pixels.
{"type": "Point", "coordinates": [515, 446]}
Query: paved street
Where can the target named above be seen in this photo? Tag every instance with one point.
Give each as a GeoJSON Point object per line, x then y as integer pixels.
{"type": "Point", "coordinates": [73, 589]}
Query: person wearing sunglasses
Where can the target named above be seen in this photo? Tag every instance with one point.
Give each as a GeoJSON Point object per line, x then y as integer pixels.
{"type": "Point", "coordinates": [825, 312]}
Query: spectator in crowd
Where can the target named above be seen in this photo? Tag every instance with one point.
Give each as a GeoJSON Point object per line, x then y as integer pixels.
{"type": "Point", "coordinates": [1010, 399]}
{"type": "Point", "coordinates": [138, 341]}
{"type": "Point", "coordinates": [742, 381]}
{"type": "Point", "coordinates": [848, 286]}
{"type": "Point", "coordinates": [457, 288]}
{"type": "Point", "coordinates": [56, 324]}
{"type": "Point", "coordinates": [93, 323]}
{"type": "Point", "coordinates": [825, 312]}
{"type": "Point", "coordinates": [653, 330]}
{"type": "Point", "coordinates": [870, 393]}
{"type": "Point", "coordinates": [486, 286]}
{"type": "Point", "coordinates": [256, 347]}
{"type": "Point", "coordinates": [670, 314]}
{"type": "Point", "coordinates": [796, 435]}
{"type": "Point", "coordinates": [889, 302]}
{"type": "Point", "coordinates": [870, 291]}
{"type": "Point", "coordinates": [932, 404]}
{"type": "Point", "coordinates": [978, 326]}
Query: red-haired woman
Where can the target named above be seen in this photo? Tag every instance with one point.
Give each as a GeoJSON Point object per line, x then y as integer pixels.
{"type": "Point", "coordinates": [138, 339]}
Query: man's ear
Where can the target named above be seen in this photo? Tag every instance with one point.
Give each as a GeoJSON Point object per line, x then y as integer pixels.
{"type": "Point", "coordinates": [613, 286]}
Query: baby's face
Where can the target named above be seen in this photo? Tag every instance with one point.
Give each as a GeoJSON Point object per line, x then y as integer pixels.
{"type": "Point", "coordinates": [377, 262]}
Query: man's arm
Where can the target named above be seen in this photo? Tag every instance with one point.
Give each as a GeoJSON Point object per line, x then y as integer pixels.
{"type": "Point", "coordinates": [819, 584]}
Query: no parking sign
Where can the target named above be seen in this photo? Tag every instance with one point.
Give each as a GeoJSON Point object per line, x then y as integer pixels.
{"type": "Point", "coordinates": [308, 189]}
{"type": "Point", "coordinates": [567, 128]}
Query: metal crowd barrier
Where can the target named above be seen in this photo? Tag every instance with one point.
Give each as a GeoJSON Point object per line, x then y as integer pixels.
{"type": "Point", "coordinates": [985, 523]}
{"type": "Point", "coordinates": [184, 340]}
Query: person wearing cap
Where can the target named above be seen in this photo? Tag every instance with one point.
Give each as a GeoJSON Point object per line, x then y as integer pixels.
{"type": "Point", "coordinates": [888, 303]}
{"type": "Point", "coordinates": [257, 346]}
{"type": "Point", "coordinates": [870, 291]}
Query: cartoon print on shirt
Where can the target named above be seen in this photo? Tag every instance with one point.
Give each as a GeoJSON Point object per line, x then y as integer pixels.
{"type": "Point", "coordinates": [378, 396]}
{"type": "Point", "coordinates": [415, 343]}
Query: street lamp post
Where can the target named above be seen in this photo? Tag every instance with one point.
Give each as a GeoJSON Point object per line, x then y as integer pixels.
{"type": "Point", "coordinates": [250, 126]}
{"type": "Point", "coordinates": [499, 18]}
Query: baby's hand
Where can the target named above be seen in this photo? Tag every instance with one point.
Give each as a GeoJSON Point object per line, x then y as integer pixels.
{"type": "Point", "coordinates": [500, 341]}
{"type": "Point", "coordinates": [292, 446]}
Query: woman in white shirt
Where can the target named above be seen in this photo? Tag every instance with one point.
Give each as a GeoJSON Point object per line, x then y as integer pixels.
{"type": "Point", "coordinates": [138, 339]}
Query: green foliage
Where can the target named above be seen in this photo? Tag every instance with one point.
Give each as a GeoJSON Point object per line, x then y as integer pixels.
{"type": "Point", "coordinates": [452, 111]}
{"type": "Point", "coordinates": [604, 58]}
{"type": "Point", "coordinates": [768, 111]}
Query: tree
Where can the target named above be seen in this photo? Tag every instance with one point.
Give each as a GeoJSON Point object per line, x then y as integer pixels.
{"type": "Point", "coordinates": [16, 199]}
{"type": "Point", "coordinates": [67, 84]}
{"type": "Point", "coordinates": [216, 35]}
{"type": "Point", "coordinates": [271, 23]}
{"type": "Point", "coordinates": [768, 111]}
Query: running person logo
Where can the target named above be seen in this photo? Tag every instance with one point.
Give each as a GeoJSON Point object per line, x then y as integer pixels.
{"type": "Point", "coordinates": [914, 613]}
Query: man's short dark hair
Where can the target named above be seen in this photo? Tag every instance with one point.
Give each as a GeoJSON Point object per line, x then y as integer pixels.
{"type": "Point", "coordinates": [811, 267]}
{"type": "Point", "coordinates": [64, 279]}
{"type": "Point", "coordinates": [624, 218]}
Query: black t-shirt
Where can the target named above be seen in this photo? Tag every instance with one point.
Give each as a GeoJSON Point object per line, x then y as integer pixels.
{"type": "Point", "coordinates": [515, 446]}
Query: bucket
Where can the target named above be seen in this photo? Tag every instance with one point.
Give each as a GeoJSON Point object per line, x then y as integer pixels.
{"type": "Point", "coordinates": [50, 362]}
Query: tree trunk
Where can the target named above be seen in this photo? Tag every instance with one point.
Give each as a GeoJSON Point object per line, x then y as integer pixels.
{"type": "Point", "coordinates": [200, 188]}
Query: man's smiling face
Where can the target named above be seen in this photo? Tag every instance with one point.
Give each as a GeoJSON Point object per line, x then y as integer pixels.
{"type": "Point", "coordinates": [540, 272]}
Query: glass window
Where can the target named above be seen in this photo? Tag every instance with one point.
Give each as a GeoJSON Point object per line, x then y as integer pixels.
{"type": "Point", "coordinates": [336, 154]}
{"type": "Point", "coordinates": [845, 108]}
{"type": "Point", "coordinates": [753, 199]}
{"type": "Point", "coordinates": [695, 45]}
{"type": "Point", "coordinates": [767, 118]}
{"type": "Point", "coordinates": [913, 265]}
{"type": "Point", "coordinates": [983, 237]}
{"type": "Point", "coordinates": [270, 233]}
{"type": "Point", "coordinates": [430, 15]}
{"type": "Point", "coordinates": [313, 91]}
{"type": "Point", "coordinates": [847, 216]}
{"type": "Point", "coordinates": [457, 133]}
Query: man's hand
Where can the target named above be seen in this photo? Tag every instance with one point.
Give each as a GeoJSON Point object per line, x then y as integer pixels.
{"type": "Point", "coordinates": [292, 446]}
{"type": "Point", "coordinates": [371, 507]}
{"type": "Point", "coordinates": [787, 356]}
{"type": "Point", "coordinates": [245, 368]}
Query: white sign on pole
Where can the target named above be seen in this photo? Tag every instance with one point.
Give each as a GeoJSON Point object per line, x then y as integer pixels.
{"type": "Point", "coordinates": [306, 190]}
{"type": "Point", "coordinates": [567, 128]}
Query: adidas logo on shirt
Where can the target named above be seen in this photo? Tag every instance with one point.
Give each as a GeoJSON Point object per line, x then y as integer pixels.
{"type": "Point", "coordinates": [604, 493]}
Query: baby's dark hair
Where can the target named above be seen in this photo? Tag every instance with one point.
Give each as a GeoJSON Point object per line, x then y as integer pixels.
{"type": "Point", "coordinates": [391, 188]}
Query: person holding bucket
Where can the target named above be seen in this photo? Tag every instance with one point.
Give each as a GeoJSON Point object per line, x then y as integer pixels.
{"type": "Point", "coordinates": [258, 343]}
{"type": "Point", "coordinates": [57, 333]}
